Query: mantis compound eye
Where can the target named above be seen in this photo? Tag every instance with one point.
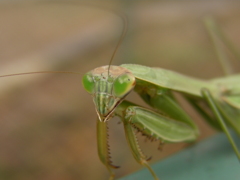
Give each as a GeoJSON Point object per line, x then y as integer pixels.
{"type": "Point", "coordinates": [88, 83]}
{"type": "Point", "coordinates": [123, 84]}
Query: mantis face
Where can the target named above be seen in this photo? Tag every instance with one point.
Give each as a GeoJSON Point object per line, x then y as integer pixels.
{"type": "Point", "coordinates": [108, 88]}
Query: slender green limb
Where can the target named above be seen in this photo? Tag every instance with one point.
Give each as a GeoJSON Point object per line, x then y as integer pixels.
{"type": "Point", "coordinates": [163, 100]}
{"type": "Point", "coordinates": [228, 44]}
{"type": "Point", "coordinates": [222, 56]}
{"type": "Point", "coordinates": [155, 125]}
{"type": "Point", "coordinates": [150, 169]}
{"type": "Point", "coordinates": [213, 105]}
{"type": "Point", "coordinates": [211, 120]}
{"type": "Point", "coordinates": [103, 147]}
{"type": "Point", "coordinates": [231, 116]}
{"type": "Point", "coordinates": [131, 137]}
{"type": "Point", "coordinates": [135, 149]}
{"type": "Point", "coordinates": [169, 105]}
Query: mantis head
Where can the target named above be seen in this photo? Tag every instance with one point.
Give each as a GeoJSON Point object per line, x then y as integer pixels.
{"type": "Point", "coordinates": [108, 87]}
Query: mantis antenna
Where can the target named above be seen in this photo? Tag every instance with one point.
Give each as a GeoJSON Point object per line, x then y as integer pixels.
{"type": "Point", "coordinates": [124, 31]}
{"type": "Point", "coordinates": [40, 72]}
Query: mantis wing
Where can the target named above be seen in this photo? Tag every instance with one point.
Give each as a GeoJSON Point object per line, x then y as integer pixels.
{"type": "Point", "coordinates": [168, 79]}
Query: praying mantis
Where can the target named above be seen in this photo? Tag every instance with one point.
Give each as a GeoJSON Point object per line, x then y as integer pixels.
{"type": "Point", "coordinates": [126, 110]}
{"type": "Point", "coordinates": [109, 85]}
{"type": "Point", "coordinates": [166, 121]}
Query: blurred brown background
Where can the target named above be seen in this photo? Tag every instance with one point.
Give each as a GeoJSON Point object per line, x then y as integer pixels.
{"type": "Point", "coordinates": [47, 121]}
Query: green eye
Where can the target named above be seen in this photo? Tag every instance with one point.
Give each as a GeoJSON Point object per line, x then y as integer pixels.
{"type": "Point", "coordinates": [123, 84]}
{"type": "Point", "coordinates": [88, 83]}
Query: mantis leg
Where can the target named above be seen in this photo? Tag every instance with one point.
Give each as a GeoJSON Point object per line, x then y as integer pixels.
{"type": "Point", "coordinates": [221, 43]}
{"type": "Point", "coordinates": [214, 33]}
{"type": "Point", "coordinates": [162, 99]}
{"type": "Point", "coordinates": [202, 111]}
{"type": "Point", "coordinates": [153, 125]}
{"type": "Point", "coordinates": [135, 149]}
{"type": "Point", "coordinates": [231, 115]}
{"type": "Point", "coordinates": [103, 147]}
{"type": "Point", "coordinates": [213, 105]}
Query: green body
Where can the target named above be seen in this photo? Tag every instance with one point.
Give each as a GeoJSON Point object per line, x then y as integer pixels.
{"type": "Point", "coordinates": [166, 121]}
{"type": "Point", "coordinates": [216, 100]}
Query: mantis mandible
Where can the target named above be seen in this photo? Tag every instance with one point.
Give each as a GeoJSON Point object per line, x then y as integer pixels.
{"type": "Point", "coordinates": [109, 85]}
